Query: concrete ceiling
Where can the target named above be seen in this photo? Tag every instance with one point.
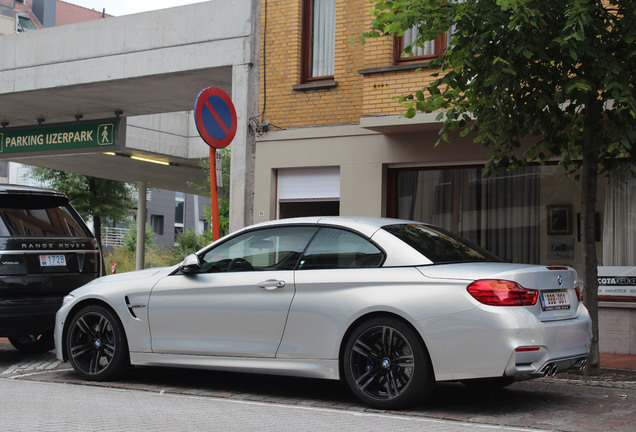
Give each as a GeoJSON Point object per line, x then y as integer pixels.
{"type": "Point", "coordinates": [135, 96]}
{"type": "Point", "coordinates": [135, 66]}
{"type": "Point", "coordinates": [179, 176]}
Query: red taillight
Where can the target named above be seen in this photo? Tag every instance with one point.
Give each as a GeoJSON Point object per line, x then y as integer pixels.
{"type": "Point", "coordinates": [502, 293]}
{"type": "Point", "coordinates": [577, 289]}
{"type": "Point", "coordinates": [527, 349]}
{"type": "Point", "coordinates": [578, 294]}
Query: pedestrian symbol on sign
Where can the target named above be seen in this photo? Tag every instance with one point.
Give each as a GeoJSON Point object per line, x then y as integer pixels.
{"type": "Point", "coordinates": [105, 134]}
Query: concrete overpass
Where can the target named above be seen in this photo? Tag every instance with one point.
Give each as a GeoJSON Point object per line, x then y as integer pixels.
{"type": "Point", "coordinates": [147, 68]}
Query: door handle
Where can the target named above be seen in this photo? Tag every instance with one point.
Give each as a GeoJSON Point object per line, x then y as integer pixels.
{"type": "Point", "coordinates": [271, 284]}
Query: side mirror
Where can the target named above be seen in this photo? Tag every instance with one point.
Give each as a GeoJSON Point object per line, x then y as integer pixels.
{"type": "Point", "coordinates": [190, 264]}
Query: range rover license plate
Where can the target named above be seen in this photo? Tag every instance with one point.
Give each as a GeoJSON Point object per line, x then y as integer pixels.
{"type": "Point", "coordinates": [555, 300]}
{"type": "Point", "coordinates": [52, 260]}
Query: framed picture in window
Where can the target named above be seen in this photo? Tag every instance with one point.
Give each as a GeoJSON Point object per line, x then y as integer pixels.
{"type": "Point", "coordinates": [560, 248]}
{"type": "Point", "coordinates": [560, 219]}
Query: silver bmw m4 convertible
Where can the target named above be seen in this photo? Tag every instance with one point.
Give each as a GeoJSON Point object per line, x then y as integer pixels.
{"type": "Point", "coordinates": [390, 306]}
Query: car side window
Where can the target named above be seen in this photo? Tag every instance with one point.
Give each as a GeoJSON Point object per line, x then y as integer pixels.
{"type": "Point", "coordinates": [265, 249]}
{"type": "Point", "coordinates": [336, 248]}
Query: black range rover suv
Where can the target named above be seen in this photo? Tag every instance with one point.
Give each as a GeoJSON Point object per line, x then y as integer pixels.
{"type": "Point", "coordinates": [46, 251]}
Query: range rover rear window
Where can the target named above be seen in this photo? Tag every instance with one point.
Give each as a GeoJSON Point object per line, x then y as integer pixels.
{"type": "Point", "coordinates": [38, 216]}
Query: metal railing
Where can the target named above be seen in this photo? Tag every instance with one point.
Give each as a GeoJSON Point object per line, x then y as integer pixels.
{"type": "Point", "coordinates": [113, 236]}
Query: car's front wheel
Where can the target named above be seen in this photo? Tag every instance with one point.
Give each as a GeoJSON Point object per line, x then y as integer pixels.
{"type": "Point", "coordinates": [34, 343]}
{"type": "Point", "coordinates": [96, 344]}
{"type": "Point", "coordinates": [386, 365]}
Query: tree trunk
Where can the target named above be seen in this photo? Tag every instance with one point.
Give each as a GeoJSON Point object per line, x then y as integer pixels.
{"type": "Point", "coordinates": [589, 179]}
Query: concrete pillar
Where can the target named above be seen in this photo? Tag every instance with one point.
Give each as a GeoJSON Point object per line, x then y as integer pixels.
{"type": "Point", "coordinates": [141, 225]}
{"type": "Point", "coordinates": [197, 228]}
{"type": "Point", "coordinates": [244, 80]}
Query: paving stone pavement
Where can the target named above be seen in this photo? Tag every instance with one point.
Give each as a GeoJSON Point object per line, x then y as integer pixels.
{"type": "Point", "coordinates": [543, 404]}
{"type": "Point", "coordinates": [34, 363]}
{"type": "Point", "coordinates": [65, 407]}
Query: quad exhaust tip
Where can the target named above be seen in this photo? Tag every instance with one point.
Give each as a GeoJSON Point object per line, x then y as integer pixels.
{"type": "Point", "coordinates": [550, 370]}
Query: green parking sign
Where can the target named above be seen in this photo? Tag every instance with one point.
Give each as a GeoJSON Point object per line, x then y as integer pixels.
{"type": "Point", "coordinates": [60, 138]}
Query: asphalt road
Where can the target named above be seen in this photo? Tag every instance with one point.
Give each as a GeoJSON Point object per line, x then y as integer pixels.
{"type": "Point", "coordinates": [544, 404]}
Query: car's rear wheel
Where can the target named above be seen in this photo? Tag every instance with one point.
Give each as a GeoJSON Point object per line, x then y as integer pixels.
{"type": "Point", "coordinates": [96, 344]}
{"type": "Point", "coordinates": [386, 365]}
{"type": "Point", "coordinates": [34, 343]}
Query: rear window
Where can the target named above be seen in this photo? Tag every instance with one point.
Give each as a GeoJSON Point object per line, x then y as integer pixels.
{"type": "Point", "coordinates": [439, 246]}
{"type": "Point", "coordinates": [38, 216]}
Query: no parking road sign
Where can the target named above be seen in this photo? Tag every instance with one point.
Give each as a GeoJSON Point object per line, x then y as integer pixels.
{"type": "Point", "coordinates": [215, 117]}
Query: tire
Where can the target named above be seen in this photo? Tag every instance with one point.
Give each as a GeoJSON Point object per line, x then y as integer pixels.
{"type": "Point", "coordinates": [96, 344]}
{"type": "Point", "coordinates": [386, 365]}
{"type": "Point", "coordinates": [34, 343]}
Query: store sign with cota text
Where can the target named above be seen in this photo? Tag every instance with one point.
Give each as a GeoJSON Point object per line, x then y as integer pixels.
{"type": "Point", "coordinates": [617, 282]}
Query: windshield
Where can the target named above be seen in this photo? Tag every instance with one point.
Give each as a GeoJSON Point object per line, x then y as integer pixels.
{"type": "Point", "coordinates": [38, 216]}
{"type": "Point", "coordinates": [439, 246]}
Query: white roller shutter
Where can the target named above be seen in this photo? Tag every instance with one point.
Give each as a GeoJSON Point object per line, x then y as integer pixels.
{"type": "Point", "coordinates": [309, 184]}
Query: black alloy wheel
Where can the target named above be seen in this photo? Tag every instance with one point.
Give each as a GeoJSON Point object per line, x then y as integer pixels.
{"type": "Point", "coordinates": [386, 364]}
{"type": "Point", "coordinates": [34, 343]}
{"type": "Point", "coordinates": [96, 344]}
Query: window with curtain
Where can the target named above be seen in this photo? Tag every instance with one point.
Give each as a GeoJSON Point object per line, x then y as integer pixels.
{"type": "Point", "coordinates": [319, 39]}
{"type": "Point", "coordinates": [619, 227]}
{"type": "Point", "coordinates": [429, 49]}
{"type": "Point", "coordinates": [501, 213]}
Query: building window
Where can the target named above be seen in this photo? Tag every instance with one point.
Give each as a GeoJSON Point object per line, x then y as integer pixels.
{"type": "Point", "coordinates": [204, 225]}
{"type": "Point", "coordinates": [319, 39]}
{"type": "Point", "coordinates": [430, 49]}
{"type": "Point", "coordinates": [179, 209]}
{"type": "Point", "coordinates": [156, 221]}
{"type": "Point", "coordinates": [179, 214]}
{"type": "Point", "coordinates": [178, 230]}
{"type": "Point", "coordinates": [25, 24]}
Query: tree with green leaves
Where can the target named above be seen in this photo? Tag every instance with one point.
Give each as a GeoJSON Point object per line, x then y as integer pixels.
{"type": "Point", "coordinates": [95, 198]}
{"type": "Point", "coordinates": [533, 82]}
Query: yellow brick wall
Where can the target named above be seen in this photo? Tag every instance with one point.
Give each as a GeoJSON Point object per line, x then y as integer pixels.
{"type": "Point", "coordinates": [355, 96]}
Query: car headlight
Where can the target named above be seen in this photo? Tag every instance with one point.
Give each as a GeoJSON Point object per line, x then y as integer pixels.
{"type": "Point", "coordinates": [67, 299]}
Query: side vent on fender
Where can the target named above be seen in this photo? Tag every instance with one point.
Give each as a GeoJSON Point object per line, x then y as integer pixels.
{"type": "Point", "coordinates": [132, 306]}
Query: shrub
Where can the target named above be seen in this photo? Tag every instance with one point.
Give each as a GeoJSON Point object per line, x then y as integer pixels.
{"type": "Point", "coordinates": [130, 241]}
